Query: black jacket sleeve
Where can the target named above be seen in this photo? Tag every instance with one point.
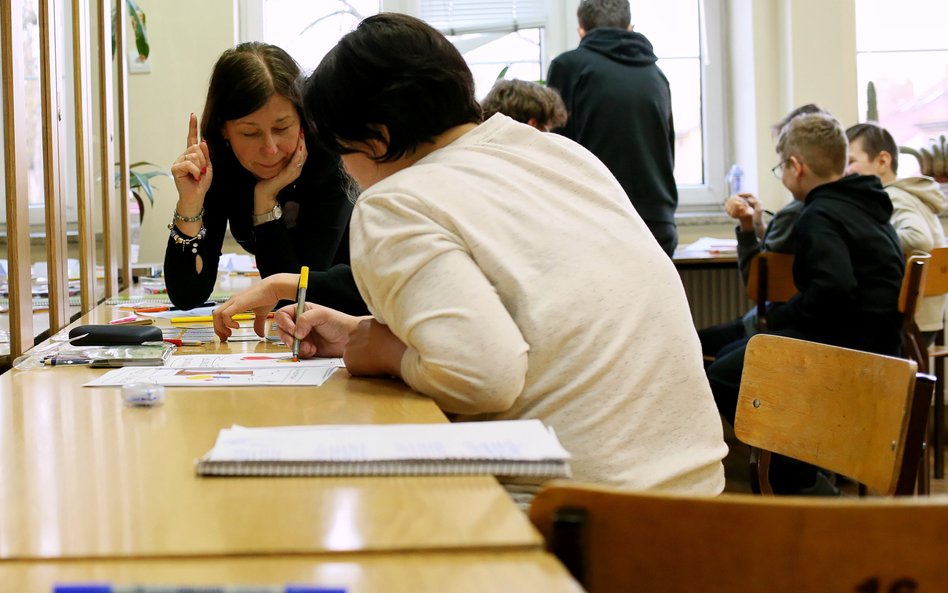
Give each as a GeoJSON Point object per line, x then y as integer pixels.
{"type": "Point", "coordinates": [188, 288]}
{"type": "Point", "coordinates": [336, 288]}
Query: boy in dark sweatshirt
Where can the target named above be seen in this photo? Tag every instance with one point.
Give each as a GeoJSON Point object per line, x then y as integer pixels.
{"type": "Point", "coordinates": [847, 266]}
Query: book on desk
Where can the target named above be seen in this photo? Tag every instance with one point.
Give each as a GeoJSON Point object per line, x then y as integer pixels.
{"type": "Point", "coordinates": [516, 448]}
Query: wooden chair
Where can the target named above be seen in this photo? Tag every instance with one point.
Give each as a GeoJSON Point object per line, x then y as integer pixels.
{"type": "Point", "coordinates": [626, 542]}
{"type": "Point", "coordinates": [858, 414]}
{"type": "Point", "coordinates": [913, 285]}
{"type": "Point", "coordinates": [913, 345]}
{"type": "Point", "coordinates": [936, 284]}
{"type": "Point", "coordinates": [770, 279]}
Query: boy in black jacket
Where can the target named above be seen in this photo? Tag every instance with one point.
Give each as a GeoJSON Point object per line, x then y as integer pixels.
{"type": "Point", "coordinates": [847, 266]}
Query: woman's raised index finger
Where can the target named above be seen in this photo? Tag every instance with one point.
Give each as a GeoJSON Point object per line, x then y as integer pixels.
{"type": "Point", "coordinates": [192, 131]}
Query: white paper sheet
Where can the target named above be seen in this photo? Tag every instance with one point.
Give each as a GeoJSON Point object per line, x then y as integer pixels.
{"type": "Point", "coordinates": [272, 377]}
{"type": "Point", "coordinates": [249, 360]}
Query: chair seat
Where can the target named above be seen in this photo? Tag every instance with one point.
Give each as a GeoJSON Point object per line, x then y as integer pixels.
{"type": "Point", "coordinates": [938, 351]}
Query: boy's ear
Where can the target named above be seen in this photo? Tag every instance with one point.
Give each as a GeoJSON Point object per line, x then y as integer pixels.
{"type": "Point", "coordinates": [796, 165]}
{"type": "Point", "coordinates": [885, 160]}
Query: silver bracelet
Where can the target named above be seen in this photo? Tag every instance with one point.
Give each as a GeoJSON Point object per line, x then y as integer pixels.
{"type": "Point", "coordinates": [195, 218]}
{"type": "Point", "coordinates": [184, 240]}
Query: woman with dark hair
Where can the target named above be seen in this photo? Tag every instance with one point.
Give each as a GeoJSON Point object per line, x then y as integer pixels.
{"type": "Point", "coordinates": [507, 273]}
{"type": "Point", "coordinates": [259, 169]}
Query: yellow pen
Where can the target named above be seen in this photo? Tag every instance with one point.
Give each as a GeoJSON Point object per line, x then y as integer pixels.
{"type": "Point", "coordinates": [237, 317]}
{"type": "Point", "coordinates": [300, 305]}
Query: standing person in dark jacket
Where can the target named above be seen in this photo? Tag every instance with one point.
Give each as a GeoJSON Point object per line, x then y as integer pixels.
{"type": "Point", "coordinates": [259, 169]}
{"type": "Point", "coordinates": [847, 266]}
{"type": "Point", "coordinates": [619, 106]}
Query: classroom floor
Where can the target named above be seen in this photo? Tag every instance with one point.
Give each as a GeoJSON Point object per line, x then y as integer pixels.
{"type": "Point", "coordinates": [737, 473]}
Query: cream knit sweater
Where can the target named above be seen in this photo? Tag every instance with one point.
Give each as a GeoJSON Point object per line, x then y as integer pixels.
{"type": "Point", "coordinates": [513, 266]}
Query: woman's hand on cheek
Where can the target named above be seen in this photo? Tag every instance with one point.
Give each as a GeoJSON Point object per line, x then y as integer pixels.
{"type": "Point", "coordinates": [267, 189]}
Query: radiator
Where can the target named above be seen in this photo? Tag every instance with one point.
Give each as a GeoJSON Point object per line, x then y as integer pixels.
{"type": "Point", "coordinates": [715, 295]}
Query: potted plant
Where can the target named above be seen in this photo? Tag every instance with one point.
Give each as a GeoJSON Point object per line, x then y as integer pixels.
{"type": "Point", "coordinates": [140, 175]}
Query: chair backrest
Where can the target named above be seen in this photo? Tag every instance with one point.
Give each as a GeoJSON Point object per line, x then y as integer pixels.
{"type": "Point", "coordinates": [770, 279]}
{"type": "Point", "coordinates": [913, 285]}
{"type": "Point", "coordinates": [936, 281]}
{"type": "Point", "coordinates": [619, 541]}
{"type": "Point", "coordinates": [859, 414]}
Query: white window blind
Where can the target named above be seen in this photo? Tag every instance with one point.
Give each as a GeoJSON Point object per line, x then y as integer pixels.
{"type": "Point", "coordinates": [458, 17]}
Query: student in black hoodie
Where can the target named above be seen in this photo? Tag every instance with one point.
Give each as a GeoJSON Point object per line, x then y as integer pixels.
{"type": "Point", "coordinates": [619, 107]}
{"type": "Point", "coordinates": [847, 266]}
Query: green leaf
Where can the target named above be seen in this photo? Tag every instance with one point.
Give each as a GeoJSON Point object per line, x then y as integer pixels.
{"type": "Point", "coordinates": [139, 29]}
{"type": "Point", "coordinates": [141, 182]}
{"type": "Point", "coordinates": [503, 73]}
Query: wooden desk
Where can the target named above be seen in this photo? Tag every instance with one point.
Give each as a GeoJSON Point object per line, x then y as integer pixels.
{"type": "Point", "coordinates": [84, 476]}
{"type": "Point", "coordinates": [523, 572]}
{"type": "Point", "coordinates": [703, 260]}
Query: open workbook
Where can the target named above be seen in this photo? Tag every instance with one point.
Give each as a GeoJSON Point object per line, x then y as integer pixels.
{"type": "Point", "coordinates": [521, 448]}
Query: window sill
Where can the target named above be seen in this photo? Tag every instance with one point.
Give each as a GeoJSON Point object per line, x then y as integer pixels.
{"type": "Point", "coordinates": [698, 217]}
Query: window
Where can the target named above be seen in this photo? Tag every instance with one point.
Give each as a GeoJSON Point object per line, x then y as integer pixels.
{"type": "Point", "coordinates": [493, 35]}
{"type": "Point", "coordinates": [905, 57]}
{"type": "Point", "coordinates": [686, 37]}
{"type": "Point", "coordinates": [307, 30]}
{"type": "Point", "coordinates": [513, 34]}
{"type": "Point", "coordinates": [673, 28]}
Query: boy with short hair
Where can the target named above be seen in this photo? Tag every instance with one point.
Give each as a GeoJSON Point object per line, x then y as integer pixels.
{"type": "Point", "coordinates": [847, 266]}
{"type": "Point", "coordinates": [527, 102]}
{"type": "Point", "coordinates": [753, 238]}
{"type": "Point", "coordinates": [916, 204]}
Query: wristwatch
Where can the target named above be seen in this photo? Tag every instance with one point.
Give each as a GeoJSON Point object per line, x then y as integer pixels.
{"type": "Point", "coordinates": [274, 214]}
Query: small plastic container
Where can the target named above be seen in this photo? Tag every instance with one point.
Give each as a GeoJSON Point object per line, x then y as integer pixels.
{"type": "Point", "coordinates": [143, 394]}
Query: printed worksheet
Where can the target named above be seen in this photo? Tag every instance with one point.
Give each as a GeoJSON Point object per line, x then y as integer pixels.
{"type": "Point", "coordinates": [250, 360]}
{"type": "Point", "coordinates": [271, 377]}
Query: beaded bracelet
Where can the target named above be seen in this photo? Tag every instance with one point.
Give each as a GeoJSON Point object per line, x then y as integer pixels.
{"type": "Point", "coordinates": [184, 241]}
{"type": "Point", "coordinates": [195, 218]}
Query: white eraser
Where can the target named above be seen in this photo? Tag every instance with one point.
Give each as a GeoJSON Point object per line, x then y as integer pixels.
{"type": "Point", "coordinates": [143, 394]}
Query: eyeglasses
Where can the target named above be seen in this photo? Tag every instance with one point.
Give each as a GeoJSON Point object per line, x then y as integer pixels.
{"type": "Point", "coordinates": [778, 169]}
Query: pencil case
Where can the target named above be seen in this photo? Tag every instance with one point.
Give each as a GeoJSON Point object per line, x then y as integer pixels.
{"type": "Point", "coordinates": [113, 335]}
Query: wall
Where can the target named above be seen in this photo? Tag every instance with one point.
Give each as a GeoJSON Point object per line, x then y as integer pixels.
{"type": "Point", "coordinates": [186, 38]}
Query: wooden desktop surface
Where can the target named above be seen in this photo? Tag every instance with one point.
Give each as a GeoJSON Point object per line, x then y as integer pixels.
{"type": "Point", "coordinates": [701, 260]}
{"type": "Point", "coordinates": [468, 572]}
{"type": "Point", "coordinates": [84, 476]}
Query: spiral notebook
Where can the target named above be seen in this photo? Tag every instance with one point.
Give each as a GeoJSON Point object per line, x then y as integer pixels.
{"type": "Point", "coordinates": [510, 448]}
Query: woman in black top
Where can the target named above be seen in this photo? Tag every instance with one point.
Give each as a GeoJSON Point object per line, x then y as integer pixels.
{"type": "Point", "coordinates": [259, 169]}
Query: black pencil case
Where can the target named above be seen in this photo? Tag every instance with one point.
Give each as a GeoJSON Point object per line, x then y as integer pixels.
{"type": "Point", "coordinates": [113, 335]}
